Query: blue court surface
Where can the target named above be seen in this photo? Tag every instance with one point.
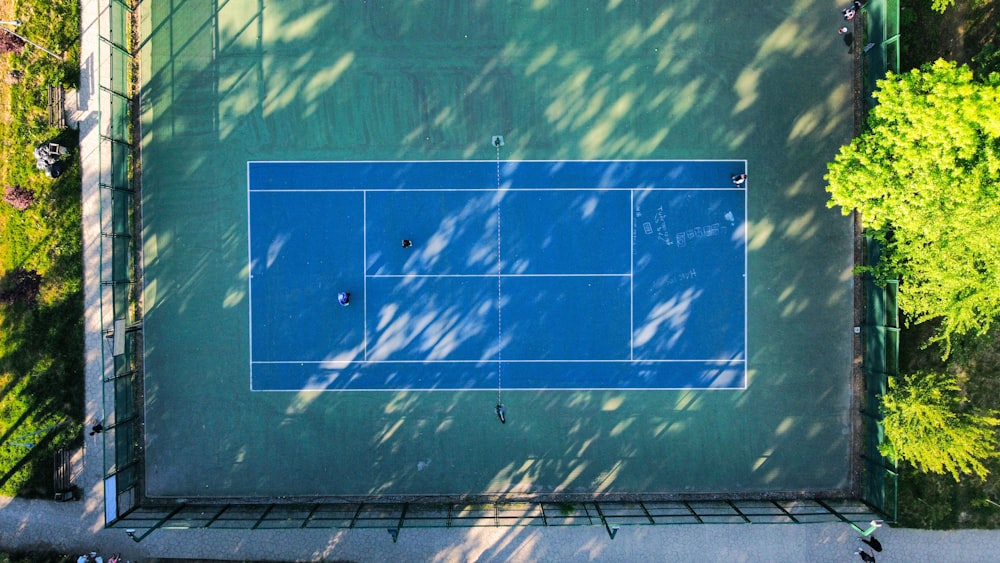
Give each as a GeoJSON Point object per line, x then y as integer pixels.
{"type": "Point", "coordinates": [521, 275]}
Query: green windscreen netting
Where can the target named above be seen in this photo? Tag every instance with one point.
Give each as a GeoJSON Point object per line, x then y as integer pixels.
{"type": "Point", "coordinates": [881, 361]}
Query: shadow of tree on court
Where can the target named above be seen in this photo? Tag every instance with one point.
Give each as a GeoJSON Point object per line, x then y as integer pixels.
{"type": "Point", "coordinates": [601, 80]}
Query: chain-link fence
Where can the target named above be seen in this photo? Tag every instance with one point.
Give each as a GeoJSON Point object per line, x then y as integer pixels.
{"type": "Point", "coordinates": [879, 478]}
{"type": "Point", "coordinates": [881, 50]}
{"type": "Point", "coordinates": [121, 320]}
{"type": "Point", "coordinates": [120, 314]}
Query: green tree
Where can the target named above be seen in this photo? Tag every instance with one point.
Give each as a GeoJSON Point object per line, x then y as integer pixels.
{"type": "Point", "coordinates": [941, 5]}
{"type": "Point", "coordinates": [925, 179]}
{"type": "Point", "coordinates": [925, 424]}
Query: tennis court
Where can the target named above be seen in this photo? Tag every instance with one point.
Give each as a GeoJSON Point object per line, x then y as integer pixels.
{"type": "Point", "coordinates": [649, 325]}
{"type": "Point", "coordinates": [551, 278]}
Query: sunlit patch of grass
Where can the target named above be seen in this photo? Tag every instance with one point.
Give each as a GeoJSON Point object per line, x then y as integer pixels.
{"type": "Point", "coordinates": [41, 344]}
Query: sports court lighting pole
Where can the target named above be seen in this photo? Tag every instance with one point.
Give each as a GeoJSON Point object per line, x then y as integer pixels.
{"type": "Point", "coordinates": [16, 23]}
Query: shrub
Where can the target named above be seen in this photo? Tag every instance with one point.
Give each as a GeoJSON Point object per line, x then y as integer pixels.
{"type": "Point", "coordinates": [20, 286]}
{"type": "Point", "coordinates": [19, 198]}
{"type": "Point", "coordinates": [10, 43]}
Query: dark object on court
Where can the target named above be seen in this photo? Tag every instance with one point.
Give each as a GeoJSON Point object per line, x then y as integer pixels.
{"type": "Point", "coordinates": [407, 243]}
{"type": "Point", "coordinates": [96, 429]}
{"type": "Point", "coordinates": [502, 414]}
{"type": "Point", "coordinates": [872, 543]}
{"type": "Point", "coordinates": [344, 298]}
{"type": "Point", "coordinates": [866, 557]}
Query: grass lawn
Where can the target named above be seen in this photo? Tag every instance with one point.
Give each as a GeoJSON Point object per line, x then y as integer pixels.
{"type": "Point", "coordinates": [41, 344]}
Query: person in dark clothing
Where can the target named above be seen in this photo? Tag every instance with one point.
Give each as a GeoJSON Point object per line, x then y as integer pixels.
{"type": "Point", "coordinates": [872, 543]}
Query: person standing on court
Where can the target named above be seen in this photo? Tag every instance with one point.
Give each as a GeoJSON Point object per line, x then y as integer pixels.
{"type": "Point", "coordinates": [739, 179]}
{"type": "Point", "coordinates": [344, 298]}
{"type": "Point", "coordinates": [407, 243]}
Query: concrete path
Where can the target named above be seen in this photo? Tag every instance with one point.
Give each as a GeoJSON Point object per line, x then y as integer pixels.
{"type": "Point", "coordinates": [78, 527]}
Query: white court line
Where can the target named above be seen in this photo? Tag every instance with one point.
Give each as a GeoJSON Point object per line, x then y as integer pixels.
{"type": "Point", "coordinates": [631, 189]}
{"type": "Point", "coordinates": [631, 277]}
{"type": "Point", "coordinates": [249, 280]}
{"type": "Point", "coordinates": [491, 276]}
{"type": "Point", "coordinates": [746, 269]}
{"type": "Point", "coordinates": [492, 161]}
{"type": "Point", "coordinates": [506, 189]}
{"type": "Point", "coordinates": [492, 360]}
{"type": "Point", "coordinates": [364, 268]}
{"type": "Point", "coordinates": [374, 389]}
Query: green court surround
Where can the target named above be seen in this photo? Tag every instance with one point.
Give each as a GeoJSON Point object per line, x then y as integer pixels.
{"type": "Point", "coordinates": [225, 83]}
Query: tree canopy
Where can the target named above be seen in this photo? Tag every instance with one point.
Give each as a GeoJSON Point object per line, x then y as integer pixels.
{"type": "Point", "coordinates": [925, 425]}
{"type": "Point", "coordinates": [941, 5]}
{"type": "Point", "coordinates": [926, 178]}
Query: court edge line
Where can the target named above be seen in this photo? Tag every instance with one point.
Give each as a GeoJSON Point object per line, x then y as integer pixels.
{"type": "Point", "coordinates": [346, 363]}
{"type": "Point", "coordinates": [249, 280]}
{"type": "Point", "coordinates": [490, 390]}
{"type": "Point", "coordinates": [746, 271]}
{"type": "Point", "coordinates": [632, 190]}
{"type": "Point", "coordinates": [488, 190]}
{"type": "Point", "coordinates": [364, 268]}
{"type": "Point", "coordinates": [743, 160]}
{"type": "Point", "coordinates": [631, 275]}
{"type": "Point", "coordinates": [393, 276]}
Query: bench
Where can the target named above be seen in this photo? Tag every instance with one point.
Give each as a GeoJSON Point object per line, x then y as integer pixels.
{"type": "Point", "coordinates": [62, 475]}
{"type": "Point", "coordinates": [57, 113]}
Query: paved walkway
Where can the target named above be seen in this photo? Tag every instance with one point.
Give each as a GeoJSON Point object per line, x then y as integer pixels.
{"type": "Point", "coordinates": [78, 527]}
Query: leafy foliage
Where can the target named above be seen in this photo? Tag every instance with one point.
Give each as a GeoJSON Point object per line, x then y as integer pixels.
{"type": "Point", "coordinates": [925, 425]}
{"type": "Point", "coordinates": [20, 286]}
{"type": "Point", "coordinates": [987, 61]}
{"type": "Point", "coordinates": [18, 197]}
{"type": "Point", "coordinates": [10, 43]}
{"type": "Point", "coordinates": [941, 5]}
{"type": "Point", "coordinates": [924, 178]}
